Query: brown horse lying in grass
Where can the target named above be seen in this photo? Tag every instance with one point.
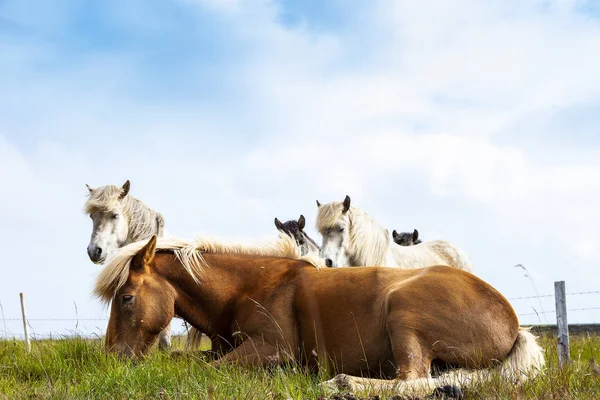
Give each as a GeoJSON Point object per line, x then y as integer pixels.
{"type": "Point", "coordinates": [264, 306]}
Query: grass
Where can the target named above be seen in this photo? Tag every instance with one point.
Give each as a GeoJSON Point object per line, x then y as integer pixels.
{"type": "Point", "coordinates": [78, 368]}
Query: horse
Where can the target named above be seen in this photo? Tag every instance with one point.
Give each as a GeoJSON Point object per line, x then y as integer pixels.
{"type": "Point", "coordinates": [406, 238]}
{"type": "Point", "coordinates": [351, 237]}
{"type": "Point", "coordinates": [118, 220]}
{"type": "Point", "coordinates": [296, 230]}
{"type": "Point", "coordinates": [267, 306]}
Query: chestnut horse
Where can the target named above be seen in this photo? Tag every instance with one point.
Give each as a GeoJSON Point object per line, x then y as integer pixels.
{"type": "Point", "coordinates": [266, 306]}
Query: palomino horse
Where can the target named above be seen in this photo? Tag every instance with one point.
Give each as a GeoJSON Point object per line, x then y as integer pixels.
{"type": "Point", "coordinates": [266, 306]}
{"type": "Point", "coordinates": [295, 229]}
{"type": "Point", "coordinates": [120, 219]}
{"type": "Point", "coordinates": [406, 238]}
{"type": "Point", "coordinates": [352, 238]}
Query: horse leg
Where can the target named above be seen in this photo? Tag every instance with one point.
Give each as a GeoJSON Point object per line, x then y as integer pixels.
{"type": "Point", "coordinates": [256, 353]}
{"type": "Point", "coordinates": [164, 338]}
{"type": "Point", "coordinates": [413, 362]}
{"type": "Point", "coordinates": [435, 387]}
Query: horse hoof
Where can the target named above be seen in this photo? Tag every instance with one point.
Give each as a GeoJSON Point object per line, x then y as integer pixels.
{"type": "Point", "coordinates": [448, 392]}
{"type": "Point", "coordinates": [340, 382]}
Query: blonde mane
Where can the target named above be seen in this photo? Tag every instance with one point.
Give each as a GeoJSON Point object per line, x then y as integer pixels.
{"type": "Point", "coordinates": [369, 241]}
{"type": "Point", "coordinates": [142, 220]}
{"type": "Point", "coordinates": [189, 253]}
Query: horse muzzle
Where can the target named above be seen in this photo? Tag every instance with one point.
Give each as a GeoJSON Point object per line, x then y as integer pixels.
{"type": "Point", "coordinates": [96, 254]}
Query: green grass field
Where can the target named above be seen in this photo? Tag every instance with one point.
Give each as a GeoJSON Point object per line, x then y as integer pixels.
{"type": "Point", "coordinates": [78, 368]}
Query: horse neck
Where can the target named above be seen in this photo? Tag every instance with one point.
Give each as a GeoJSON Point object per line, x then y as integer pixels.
{"type": "Point", "coordinates": [313, 246]}
{"type": "Point", "coordinates": [143, 222]}
{"type": "Point", "coordinates": [207, 306]}
{"type": "Point", "coordinates": [369, 242]}
{"type": "Point", "coordinates": [196, 302]}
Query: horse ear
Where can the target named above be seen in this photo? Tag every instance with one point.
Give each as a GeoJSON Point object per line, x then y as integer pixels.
{"type": "Point", "coordinates": [318, 204]}
{"type": "Point", "coordinates": [91, 189]}
{"type": "Point", "coordinates": [346, 203]}
{"type": "Point", "coordinates": [278, 224]}
{"type": "Point", "coordinates": [301, 222]}
{"type": "Point", "coordinates": [125, 189]}
{"type": "Point", "coordinates": [415, 235]}
{"type": "Point", "coordinates": [145, 256]}
{"type": "Point", "coordinates": [394, 234]}
{"type": "Point", "coordinates": [150, 250]}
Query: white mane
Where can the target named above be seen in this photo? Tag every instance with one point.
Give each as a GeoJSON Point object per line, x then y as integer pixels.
{"type": "Point", "coordinates": [143, 221]}
{"type": "Point", "coordinates": [369, 242]}
{"type": "Point", "coordinates": [189, 253]}
{"type": "Point", "coordinates": [371, 245]}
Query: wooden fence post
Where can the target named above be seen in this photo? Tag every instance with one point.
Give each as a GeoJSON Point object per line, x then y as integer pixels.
{"type": "Point", "coordinates": [25, 327]}
{"type": "Point", "coordinates": [560, 298]}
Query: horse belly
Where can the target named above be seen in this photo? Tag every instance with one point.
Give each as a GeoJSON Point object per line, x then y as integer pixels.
{"type": "Point", "coordinates": [351, 338]}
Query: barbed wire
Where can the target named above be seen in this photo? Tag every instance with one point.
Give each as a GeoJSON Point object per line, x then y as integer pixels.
{"type": "Point", "coordinates": [554, 312]}
{"type": "Point", "coordinates": [57, 319]}
{"type": "Point", "coordinates": [551, 295]}
{"type": "Point", "coordinates": [509, 298]}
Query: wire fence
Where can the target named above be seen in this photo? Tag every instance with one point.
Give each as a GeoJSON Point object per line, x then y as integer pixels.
{"type": "Point", "coordinates": [178, 326]}
{"type": "Point", "coordinates": [552, 295]}
{"type": "Point", "coordinates": [553, 312]}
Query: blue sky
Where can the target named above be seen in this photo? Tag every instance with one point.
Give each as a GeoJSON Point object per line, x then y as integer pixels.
{"type": "Point", "coordinates": [475, 122]}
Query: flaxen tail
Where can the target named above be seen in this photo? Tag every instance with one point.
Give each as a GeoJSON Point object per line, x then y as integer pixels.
{"type": "Point", "coordinates": [525, 360]}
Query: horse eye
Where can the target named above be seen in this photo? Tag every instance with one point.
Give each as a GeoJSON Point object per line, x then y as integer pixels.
{"type": "Point", "coordinates": [115, 216]}
{"type": "Point", "coordinates": [127, 299]}
{"type": "Point", "coordinates": [341, 230]}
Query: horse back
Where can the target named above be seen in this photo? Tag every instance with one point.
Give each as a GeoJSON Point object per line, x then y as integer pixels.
{"type": "Point", "coordinates": [431, 253]}
{"type": "Point", "coordinates": [352, 314]}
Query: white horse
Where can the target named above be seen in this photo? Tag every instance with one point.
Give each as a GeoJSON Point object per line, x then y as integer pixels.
{"type": "Point", "coordinates": [120, 219]}
{"type": "Point", "coordinates": [353, 238]}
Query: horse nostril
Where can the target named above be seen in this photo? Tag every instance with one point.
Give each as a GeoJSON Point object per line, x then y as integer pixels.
{"type": "Point", "coordinates": [328, 262]}
{"type": "Point", "coordinates": [98, 251]}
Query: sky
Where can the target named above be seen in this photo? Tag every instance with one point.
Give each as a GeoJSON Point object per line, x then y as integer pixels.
{"type": "Point", "coordinates": [474, 122]}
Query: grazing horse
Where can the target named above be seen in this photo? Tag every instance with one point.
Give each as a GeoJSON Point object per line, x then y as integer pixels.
{"type": "Point", "coordinates": [296, 230]}
{"type": "Point", "coordinates": [351, 237]}
{"type": "Point", "coordinates": [406, 238]}
{"type": "Point", "coordinates": [120, 219]}
{"type": "Point", "coordinates": [267, 306]}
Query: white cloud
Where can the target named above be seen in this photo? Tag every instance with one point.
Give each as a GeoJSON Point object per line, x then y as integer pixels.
{"type": "Point", "coordinates": [419, 122]}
